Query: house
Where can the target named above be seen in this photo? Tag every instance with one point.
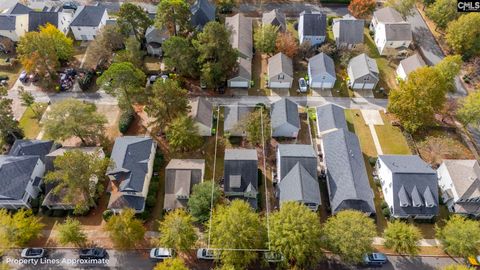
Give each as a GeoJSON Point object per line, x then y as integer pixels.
{"type": "Point", "coordinates": [180, 177]}
{"type": "Point", "coordinates": [87, 21]}
{"type": "Point", "coordinates": [234, 120]}
{"type": "Point", "coordinates": [347, 31]}
{"type": "Point", "coordinates": [202, 12]}
{"type": "Point", "coordinates": [20, 180]}
{"type": "Point", "coordinates": [312, 27]}
{"type": "Point", "coordinates": [284, 118]}
{"type": "Point", "coordinates": [330, 117]}
{"type": "Point", "coordinates": [241, 175]}
{"type": "Point", "coordinates": [297, 175]}
{"type": "Point", "coordinates": [409, 65]}
{"type": "Point", "coordinates": [280, 71]}
{"type": "Point", "coordinates": [409, 186]}
{"type": "Point", "coordinates": [54, 201]}
{"type": "Point", "coordinates": [17, 9]}
{"type": "Point", "coordinates": [321, 72]}
{"type": "Point", "coordinates": [459, 181]}
{"type": "Point", "coordinates": [130, 173]}
{"type": "Point", "coordinates": [392, 34]}
{"type": "Point", "coordinates": [13, 27]}
{"type": "Point", "coordinates": [154, 39]}
{"type": "Point", "coordinates": [202, 113]}
{"type": "Point", "coordinates": [363, 73]}
{"type": "Point", "coordinates": [31, 148]}
{"type": "Point", "coordinates": [275, 17]}
{"type": "Point", "coordinates": [347, 180]}
{"type": "Point", "coordinates": [385, 15]}
{"type": "Point", "coordinates": [56, 16]}
{"type": "Point", "coordinates": [241, 40]}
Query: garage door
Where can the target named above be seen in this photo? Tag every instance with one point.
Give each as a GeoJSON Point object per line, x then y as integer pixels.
{"type": "Point", "coordinates": [279, 85]}
{"type": "Point", "coordinates": [322, 85]}
{"type": "Point", "coordinates": [327, 85]}
{"type": "Point", "coordinates": [235, 84]}
{"type": "Point", "coordinates": [369, 86]}
{"type": "Point", "coordinates": [357, 86]}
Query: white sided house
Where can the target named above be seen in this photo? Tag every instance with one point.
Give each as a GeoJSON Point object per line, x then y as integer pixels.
{"type": "Point", "coordinates": [13, 26]}
{"type": "Point", "coordinates": [408, 65]}
{"type": "Point", "coordinates": [241, 40]}
{"type": "Point", "coordinates": [87, 21]}
{"type": "Point", "coordinates": [312, 27]}
{"type": "Point", "coordinates": [321, 72]}
{"type": "Point", "coordinates": [280, 71]}
{"type": "Point", "coordinates": [392, 34]}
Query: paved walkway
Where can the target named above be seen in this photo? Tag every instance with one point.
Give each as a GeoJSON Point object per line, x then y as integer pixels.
{"type": "Point", "coordinates": [373, 118]}
{"type": "Point", "coordinates": [378, 241]}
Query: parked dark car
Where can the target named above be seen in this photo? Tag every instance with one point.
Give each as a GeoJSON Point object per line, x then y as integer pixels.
{"type": "Point", "coordinates": [92, 253]}
{"type": "Point", "coordinates": [23, 77]}
{"type": "Point", "coordinates": [375, 259]}
{"type": "Point", "coordinates": [69, 5]}
{"type": "Point", "coordinates": [33, 253]}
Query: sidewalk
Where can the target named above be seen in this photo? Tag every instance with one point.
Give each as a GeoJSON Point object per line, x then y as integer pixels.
{"type": "Point", "coordinates": [378, 241]}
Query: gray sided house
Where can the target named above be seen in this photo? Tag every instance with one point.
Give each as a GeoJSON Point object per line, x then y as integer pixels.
{"type": "Point", "coordinates": [202, 113]}
{"type": "Point", "coordinates": [347, 31]}
{"type": "Point", "coordinates": [154, 39]}
{"type": "Point", "coordinates": [235, 117]}
{"type": "Point", "coordinates": [280, 71]}
{"type": "Point", "coordinates": [459, 181]}
{"type": "Point", "coordinates": [312, 27]}
{"type": "Point", "coordinates": [241, 175]}
{"type": "Point", "coordinates": [180, 177]}
{"type": "Point", "coordinates": [55, 201]}
{"type": "Point", "coordinates": [297, 175]}
{"type": "Point", "coordinates": [409, 186]}
{"type": "Point", "coordinates": [330, 117]}
{"type": "Point", "coordinates": [275, 17]}
{"type": "Point", "coordinates": [20, 180]}
{"type": "Point", "coordinates": [347, 180]}
{"type": "Point", "coordinates": [284, 119]}
{"type": "Point", "coordinates": [202, 12]}
{"type": "Point", "coordinates": [321, 72]}
{"type": "Point", "coordinates": [241, 40]}
{"type": "Point", "coordinates": [130, 173]}
{"type": "Point", "coordinates": [363, 73]}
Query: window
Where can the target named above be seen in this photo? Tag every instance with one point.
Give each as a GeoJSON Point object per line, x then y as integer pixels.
{"type": "Point", "coordinates": [79, 29]}
{"type": "Point", "coordinates": [366, 78]}
{"type": "Point", "coordinates": [281, 76]}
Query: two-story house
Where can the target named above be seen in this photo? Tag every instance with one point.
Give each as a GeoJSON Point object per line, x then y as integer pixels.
{"type": "Point", "coordinates": [312, 27]}
{"type": "Point", "coordinates": [87, 21]}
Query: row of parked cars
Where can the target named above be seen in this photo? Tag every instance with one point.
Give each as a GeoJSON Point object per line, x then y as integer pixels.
{"type": "Point", "coordinates": [84, 253]}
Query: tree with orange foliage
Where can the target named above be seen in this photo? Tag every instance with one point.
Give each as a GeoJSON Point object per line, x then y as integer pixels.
{"type": "Point", "coordinates": [361, 9]}
{"type": "Point", "coordinates": [287, 44]}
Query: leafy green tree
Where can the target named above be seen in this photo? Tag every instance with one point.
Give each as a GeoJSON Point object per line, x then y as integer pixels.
{"type": "Point", "coordinates": [125, 230]}
{"type": "Point", "coordinates": [177, 231]}
{"type": "Point", "coordinates": [404, 7]}
{"type": "Point", "coordinates": [469, 111]}
{"type": "Point", "coordinates": [459, 236]}
{"type": "Point", "coordinates": [417, 99]}
{"type": "Point", "coordinates": [74, 176]}
{"type": "Point", "coordinates": [201, 198]}
{"type": "Point", "coordinates": [18, 229]}
{"type": "Point", "coordinates": [108, 40]}
{"type": "Point", "coordinates": [253, 126]}
{"type": "Point", "coordinates": [132, 53]}
{"type": "Point", "coordinates": [179, 54]}
{"type": "Point", "coordinates": [74, 118]}
{"type": "Point", "coordinates": [9, 129]}
{"type": "Point", "coordinates": [361, 8]}
{"type": "Point", "coordinates": [349, 234]}
{"type": "Point", "coordinates": [174, 15]}
{"type": "Point", "coordinates": [41, 52]}
{"type": "Point", "coordinates": [402, 238]}
{"type": "Point", "coordinates": [295, 232]}
{"type": "Point", "coordinates": [123, 80]}
{"type": "Point", "coordinates": [226, 233]}
{"type": "Point", "coordinates": [265, 38]}
{"type": "Point", "coordinates": [171, 264]}
{"type": "Point", "coordinates": [225, 6]}
{"type": "Point", "coordinates": [182, 134]}
{"type": "Point", "coordinates": [216, 57]}
{"type": "Point", "coordinates": [133, 19]}
{"type": "Point", "coordinates": [448, 68]}
{"type": "Point", "coordinates": [442, 12]}
{"type": "Point", "coordinates": [463, 35]}
{"type": "Point", "coordinates": [168, 101]}
{"type": "Point", "coordinates": [70, 232]}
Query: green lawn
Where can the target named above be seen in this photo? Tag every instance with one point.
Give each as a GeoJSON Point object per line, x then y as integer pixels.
{"type": "Point", "coordinates": [391, 138]}
{"type": "Point", "coordinates": [29, 121]}
{"type": "Point", "coordinates": [356, 124]}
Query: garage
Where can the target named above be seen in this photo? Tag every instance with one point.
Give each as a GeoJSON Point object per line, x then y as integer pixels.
{"type": "Point", "coordinates": [357, 86]}
{"type": "Point", "coordinates": [238, 84]}
{"type": "Point", "coordinates": [322, 85]}
{"type": "Point", "coordinates": [279, 85]}
{"type": "Point", "coordinates": [369, 86]}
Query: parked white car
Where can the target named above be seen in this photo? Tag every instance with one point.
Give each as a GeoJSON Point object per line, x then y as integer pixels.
{"type": "Point", "coordinates": [161, 253]}
{"type": "Point", "coordinates": [302, 84]}
{"type": "Point", "coordinates": [206, 254]}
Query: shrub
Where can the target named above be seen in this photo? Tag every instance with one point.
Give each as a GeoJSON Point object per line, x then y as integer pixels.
{"type": "Point", "coordinates": [372, 161]}
{"type": "Point", "coordinates": [126, 120]}
{"type": "Point", "coordinates": [384, 205]}
{"type": "Point", "coordinates": [151, 201]}
{"type": "Point", "coordinates": [86, 81]}
{"type": "Point", "coordinates": [107, 214]}
{"type": "Point", "coordinates": [386, 212]}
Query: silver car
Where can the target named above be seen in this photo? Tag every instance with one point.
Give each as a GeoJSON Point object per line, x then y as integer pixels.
{"type": "Point", "coordinates": [33, 253]}
{"type": "Point", "coordinates": [302, 84]}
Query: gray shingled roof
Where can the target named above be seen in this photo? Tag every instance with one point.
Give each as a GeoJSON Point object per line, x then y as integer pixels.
{"type": "Point", "coordinates": [41, 18]}
{"type": "Point", "coordinates": [284, 117]}
{"type": "Point", "coordinates": [322, 64]}
{"type": "Point", "coordinates": [31, 148]}
{"type": "Point", "coordinates": [465, 175]}
{"type": "Point", "coordinates": [153, 34]}
{"type": "Point", "coordinates": [274, 17]}
{"type": "Point", "coordinates": [235, 114]}
{"type": "Point", "coordinates": [242, 164]}
{"type": "Point", "coordinates": [202, 12]}
{"type": "Point", "coordinates": [347, 178]}
{"type": "Point", "coordinates": [330, 117]}
{"type": "Point", "coordinates": [127, 201]}
{"type": "Point", "coordinates": [362, 65]}
{"type": "Point", "coordinates": [18, 9]}
{"type": "Point", "coordinates": [15, 174]}
{"type": "Point", "coordinates": [398, 31]}
{"type": "Point", "coordinates": [298, 185]}
{"type": "Point", "coordinates": [280, 63]}
{"type": "Point", "coordinates": [180, 177]}
{"type": "Point", "coordinates": [88, 16]}
{"type": "Point", "coordinates": [291, 154]}
{"type": "Point", "coordinates": [130, 156]}
{"type": "Point", "coordinates": [202, 111]}
{"type": "Point", "coordinates": [314, 23]}
{"type": "Point", "coordinates": [348, 30]}
{"type": "Point", "coordinates": [7, 22]}
{"type": "Point", "coordinates": [411, 63]}
{"type": "Point", "coordinates": [414, 185]}
{"type": "Point", "coordinates": [241, 34]}
{"type": "Point", "coordinates": [387, 15]}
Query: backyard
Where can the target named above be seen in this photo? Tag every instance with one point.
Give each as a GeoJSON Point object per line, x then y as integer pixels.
{"type": "Point", "coordinates": [30, 121]}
